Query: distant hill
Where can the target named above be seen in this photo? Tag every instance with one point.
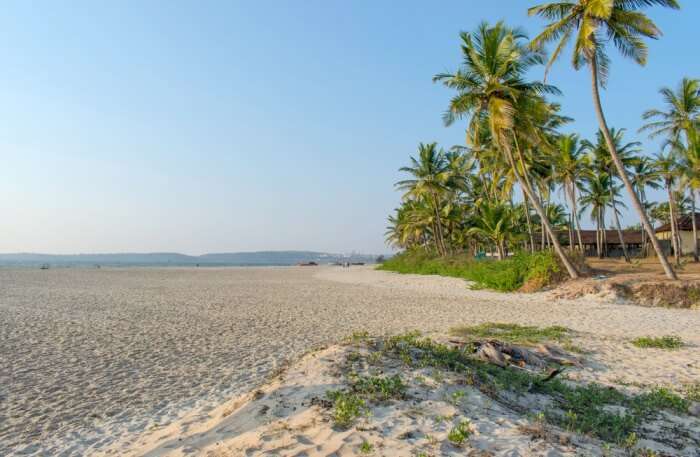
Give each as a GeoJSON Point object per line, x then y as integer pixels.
{"type": "Point", "coordinates": [259, 258]}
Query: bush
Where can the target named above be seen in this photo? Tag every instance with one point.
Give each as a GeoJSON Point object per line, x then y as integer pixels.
{"type": "Point", "coordinates": [524, 270]}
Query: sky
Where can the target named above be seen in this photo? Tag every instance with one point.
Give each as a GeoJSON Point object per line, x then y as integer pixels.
{"type": "Point", "coordinates": [221, 126]}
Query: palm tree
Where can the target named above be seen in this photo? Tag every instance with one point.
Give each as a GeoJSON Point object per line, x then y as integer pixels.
{"type": "Point", "coordinates": [680, 123]}
{"type": "Point", "coordinates": [668, 170]}
{"type": "Point", "coordinates": [644, 175]}
{"type": "Point", "coordinates": [596, 197]}
{"type": "Point", "coordinates": [491, 90]}
{"type": "Point", "coordinates": [496, 223]}
{"type": "Point", "coordinates": [602, 163]}
{"type": "Point", "coordinates": [430, 175]}
{"type": "Point", "coordinates": [690, 176]}
{"type": "Point", "coordinates": [682, 114]}
{"type": "Point", "coordinates": [596, 22]}
{"type": "Point", "coordinates": [570, 167]}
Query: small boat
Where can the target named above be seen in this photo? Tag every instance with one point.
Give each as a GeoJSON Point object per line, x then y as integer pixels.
{"type": "Point", "coordinates": [307, 264]}
{"type": "Point", "coordinates": [44, 266]}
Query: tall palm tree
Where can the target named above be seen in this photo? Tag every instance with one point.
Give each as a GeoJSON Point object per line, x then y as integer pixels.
{"type": "Point", "coordinates": [628, 154]}
{"type": "Point", "coordinates": [682, 114]}
{"type": "Point", "coordinates": [690, 176]}
{"type": "Point", "coordinates": [429, 183]}
{"type": "Point", "coordinates": [668, 170]}
{"type": "Point", "coordinates": [491, 89]}
{"type": "Point", "coordinates": [596, 197]}
{"type": "Point", "coordinates": [596, 22]}
{"type": "Point", "coordinates": [571, 165]}
{"type": "Point", "coordinates": [680, 123]}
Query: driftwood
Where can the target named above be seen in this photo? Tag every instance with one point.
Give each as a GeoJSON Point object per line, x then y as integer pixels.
{"type": "Point", "coordinates": [537, 359]}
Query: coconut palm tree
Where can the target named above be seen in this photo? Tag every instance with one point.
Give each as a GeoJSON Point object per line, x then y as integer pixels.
{"type": "Point", "coordinates": [668, 170]}
{"type": "Point", "coordinates": [571, 165]}
{"type": "Point", "coordinates": [690, 177]}
{"type": "Point", "coordinates": [628, 154]}
{"type": "Point", "coordinates": [596, 198]}
{"type": "Point", "coordinates": [595, 23]}
{"type": "Point", "coordinates": [492, 90]}
{"type": "Point", "coordinates": [682, 114]}
{"type": "Point", "coordinates": [429, 183]}
{"type": "Point", "coordinates": [496, 223]}
{"type": "Point", "coordinates": [645, 174]}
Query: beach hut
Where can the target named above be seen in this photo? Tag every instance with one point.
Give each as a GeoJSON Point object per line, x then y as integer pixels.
{"type": "Point", "coordinates": [685, 229]}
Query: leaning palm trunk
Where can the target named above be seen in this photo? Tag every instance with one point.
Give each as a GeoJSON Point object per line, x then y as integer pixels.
{"type": "Point", "coordinates": [623, 174]}
{"type": "Point", "coordinates": [525, 184]}
{"type": "Point", "coordinates": [695, 229]}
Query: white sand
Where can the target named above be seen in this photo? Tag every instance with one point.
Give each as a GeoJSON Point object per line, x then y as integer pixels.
{"type": "Point", "coordinates": [93, 358]}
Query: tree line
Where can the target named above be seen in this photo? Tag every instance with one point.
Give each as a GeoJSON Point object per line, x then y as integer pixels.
{"type": "Point", "coordinates": [463, 198]}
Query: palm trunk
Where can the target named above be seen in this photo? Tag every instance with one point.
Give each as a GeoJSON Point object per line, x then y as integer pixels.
{"type": "Point", "coordinates": [438, 223]}
{"type": "Point", "coordinates": [616, 218]}
{"type": "Point", "coordinates": [674, 228]}
{"type": "Point", "coordinates": [619, 235]}
{"type": "Point", "coordinates": [598, 236]}
{"type": "Point", "coordinates": [623, 173]}
{"type": "Point", "coordinates": [529, 225]}
{"type": "Point", "coordinates": [604, 233]}
{"type": "Point", "coordinates": [642, 200]}
{"type": "Point", "coordinates": [525, 184]}
{"type": "Point", "coordinates": [696, 258]}
{"type": "Point", "coordinates": [576, 219]}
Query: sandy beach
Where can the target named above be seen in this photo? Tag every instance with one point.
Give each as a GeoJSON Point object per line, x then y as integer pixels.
{"type": "Point", "coordinates": [91, 361]}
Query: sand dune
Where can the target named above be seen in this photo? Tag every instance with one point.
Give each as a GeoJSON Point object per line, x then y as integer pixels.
{"type": "Point", "coordinates": [93, 359]}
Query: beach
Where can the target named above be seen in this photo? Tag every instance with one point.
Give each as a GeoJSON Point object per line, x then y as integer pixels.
{"type": "Point", "coordinates": [92, 360]}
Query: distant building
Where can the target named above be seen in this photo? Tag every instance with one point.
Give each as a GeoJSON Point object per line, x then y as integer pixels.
{"type": "Point", "coordinates": [685, 227]}
{"type": "Point", "coordinates": [611, 242]}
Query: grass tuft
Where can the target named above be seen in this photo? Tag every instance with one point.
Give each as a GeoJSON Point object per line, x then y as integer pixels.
{"type": "Point", "coordinates": [663, 342]}
{"type": "Point", "coordinates": [460, 433]}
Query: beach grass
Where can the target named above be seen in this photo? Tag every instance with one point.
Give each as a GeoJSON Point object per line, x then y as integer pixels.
{"type": "Point", "coordinates": [669, 342]}
{"type": "Point", "coordinates": [588, 409]}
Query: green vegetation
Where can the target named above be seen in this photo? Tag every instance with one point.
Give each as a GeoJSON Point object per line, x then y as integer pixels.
{"type": "Point", "coordinates": [591, 409]}
{"type": "Point", "coordinates": [346, 407]}
{"type": "Point", "coordinates": [536, 270]}
{"type": "Point", "coordinates": [512, 333]}
{"type": "Point", "coordinates": [663, 342]}
{"type": "Point", "coordinates": [460, 433]}
{"type": "Point", "coordinates": [351, 404]}
{"type": "Point", "coordinates": [692, 392]}
{"type": "Point", "coordinates": [379, 388]}
{"type": "Point", "coordinates": [366, 448]}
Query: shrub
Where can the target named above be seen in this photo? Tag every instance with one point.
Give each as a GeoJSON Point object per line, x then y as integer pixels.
{"type": "Point", "coordinates": [524, 270]}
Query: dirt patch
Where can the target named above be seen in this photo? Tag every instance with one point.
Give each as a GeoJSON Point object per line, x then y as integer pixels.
{"type": "Point", "coordinates": [663, 293]}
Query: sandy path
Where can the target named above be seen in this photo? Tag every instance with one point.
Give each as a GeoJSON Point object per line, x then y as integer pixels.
{"type": "Point", "coordinates": [90, 356]}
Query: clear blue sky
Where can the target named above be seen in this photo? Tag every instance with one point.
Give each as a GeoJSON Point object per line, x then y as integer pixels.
{"type": "Point", "coordinates": [223, 126]}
